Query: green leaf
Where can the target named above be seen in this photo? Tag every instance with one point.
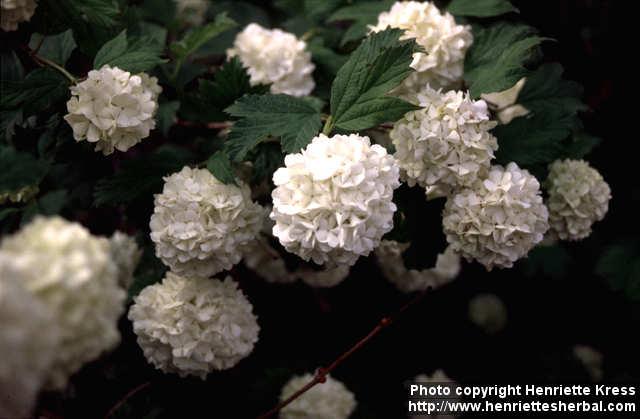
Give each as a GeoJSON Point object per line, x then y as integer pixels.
{"type": "Point", "coordinates": [220, 166]}
{"type": "Point", "coordinates": [532, 140]}
{"type": "Point", "coordinates": [19, 169]}
{"type": "Point", "coordinates": [362, 15]}
{"type": "Point", "coordinates": [620, 265]}
{"type": "Point", "coordinates": [97, 12]}
{"type": "Point", "coordinates": [497, 58]}
{"type": "Point", "coordinates": [41, 89]}
{"type": "Point", "coordinates": [545, 88]}
{"type": "Point", "coordinates": [266, 158]}
{"type": "Point", "coordinates": [57, 48]}
{"type": "Point", "coordinates": [538, 138]}
{"type": "Point", "coordinates": [111, 50]}
{"type": "Point", "coordinates": [161, 11]}
{"type": "Point", "coordinates": [480, 8]}
{"type": "Point", "coordinates": [9, 119]}
{"type": "Point", "coordinates": [197, 37]}
{"type": "Point", "coordinates": [581, 144]}
{"type": "Point", "coordinates": [134, 55]}
{"type": "Point", "coordinates": [141, 177]}
{"type": "Point", "coordinates": [358, 93]}
{"type": "Point", "coordinates": [166, 116]}
{"type": "Point", "coordinates": [292, 119]}
{"type": "Point", "coordinates": [229, 83]}
{"type": "Point", "coordinates": [52, 202]}
{"type": "Point", "coordinates": [551, 261]}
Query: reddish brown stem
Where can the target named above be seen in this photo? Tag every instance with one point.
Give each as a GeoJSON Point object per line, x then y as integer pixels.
{"type": "Point", "coordinates": [126, 397]}
{"type": "Point", "coordinates": [208, 125]}
{"type": "Point", "coordinates": [321, 374]}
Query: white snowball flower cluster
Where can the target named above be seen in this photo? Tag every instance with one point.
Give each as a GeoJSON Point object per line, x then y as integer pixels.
{"type": "Point", "coordinates": [15, 12]}
{"type": "Point", "coordinates": [488, 312]}
{"type": "Point", "coordinates": [192, 12]}
{"type": "Point", "coordinates": [27, 348]}
{"type": "Point", "coordinates": [266, 262]}
{"type": "Point", "coordinates": [192, 326]}
{"type": "Point", "coordinates": [446, 144]}
{"type": "Point", "coordinates": [113, 108]}
{"type": "Point", "coordinates": [438, 377]}
{"type": "Point", "coordinates": [328, 400]}
{"type": "Point", "coordinates": [591, 359]}
{"type": "Point", "coordinates": [498, 220]}
{"type": "Point", "coordinates": [504, 102]}
{"type": "Point", "coordinates": [578, 197]}
{"type": "Point", "coordinates": [126, 254]}
{"type": "Point", "coordinates": [275, 57]}
{"type": "Point", "coordinates": [389, 255]}
{"type": "Point", "coordinates": [333, 201]}
{"type": "Point", "coordinates": [71, 272]}
{"type": "Point", "coordinates": [200, 226]}
{"type": "Point", "coordinates": [445, 43]}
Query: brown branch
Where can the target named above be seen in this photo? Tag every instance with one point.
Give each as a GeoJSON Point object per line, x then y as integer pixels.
{"type": "Point", "coordinates": [208, 125]}
{"type": "Point", "coordinates": [321, 374]}
{"type": "Point", "coordinates": [126, 397]}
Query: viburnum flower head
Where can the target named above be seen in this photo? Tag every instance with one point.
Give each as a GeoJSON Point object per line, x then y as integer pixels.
{"type": "Point", "coordinates": [389, 255]}
{"type": "Point", "coordinates": [71, 273]}
{"type": "Point", "coordinates": [200, 225]}
{"type": "Point", "coordinates": [192, 326]}
{"type": "Point", "coordinates": [15, 12]}
{"type": "Point", "coordinates": [275, 57]}
{"type": "Point", "coordinates": [444, 42]}
{"type": "Point", "coordinates": [28, 344]}
{"type": "Point", "coordinates": [333, 201]}
{"type": "Point", "coordinates": [446, 144]}
{"type": "Point", "coordinates": [578, 197]}
{"type": "Point", "coordinates": [113, 108]}
{"type": "Point", "coordinates": [488, 312]}
{"type": "Point", "coordinates": [328, 400]}
{"type": "Point", "coordinates": [126, 254]}
{"type": "Point", "coordinates": [497, 220]}
{"type": "Point", "coordinates": [192, 12]}
{"type": "Point", "coordinates": [267, 263]}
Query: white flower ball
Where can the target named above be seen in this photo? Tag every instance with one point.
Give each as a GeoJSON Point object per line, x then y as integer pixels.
{"type": "Point", "coordinates": [113, 108]}
{"type": "Point", "coordinates": [192, 326]}
{"type": "Point", "coordinates": [504, 103]}
{"type": "Point", "coordinates": [28, 341]}
{"type": "Point", "coordinates": [499, 219]}
{"type": "Point", "coordinates": [446, 144]}
{"type": "Point", "coordinates": [444, 42]}
{"type": "Point", "coordinates": [15, 12]}
{"type": "Point", "coordinates": [267, 263]}
{"type": "Point", "coordinates": [488, 312]}
{"type": "Point", "coordinates": [332, 202]}
{"type": "Point", "coordinates": [71, 273]}
{"type": "Point", "coordinates": [591, 360]}
{"type": "Point", "coordinates": [192, 12]}
{"type": "Point", "coordinates": [389, 255]}
{"type": "Point", "coordinates": [200, 226]}
{"type": "Point", "coordinates": [328, 400]}
{"type": "Point", "coordinates": [275, 57]}
{"type": "Point", "coordinates": [578, 197]}
{"type": "Point", "coordinates": [126, 254]}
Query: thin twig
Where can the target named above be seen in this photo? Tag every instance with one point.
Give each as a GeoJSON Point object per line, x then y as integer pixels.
{"type": "Point", "coordinates": [321, 374]}
{"type": "Point", "coordinates": [208, 125]}
{"type": "Point", "coordinates": [126, 397]}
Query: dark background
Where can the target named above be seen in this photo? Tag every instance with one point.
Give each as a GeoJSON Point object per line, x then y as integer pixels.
{"type": "Point", "coordinates": [548, 313]}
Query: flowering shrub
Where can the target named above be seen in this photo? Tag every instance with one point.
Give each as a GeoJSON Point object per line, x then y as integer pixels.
{"type": "Point", "coordinates": [298, 149]}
